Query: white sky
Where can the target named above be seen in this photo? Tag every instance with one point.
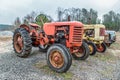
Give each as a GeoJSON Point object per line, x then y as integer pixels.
{"type": "Point", "coordinates": [10, 9]}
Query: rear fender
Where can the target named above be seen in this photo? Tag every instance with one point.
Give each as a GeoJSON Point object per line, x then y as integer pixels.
{"type": "Point", "coordinates": [25, 27]}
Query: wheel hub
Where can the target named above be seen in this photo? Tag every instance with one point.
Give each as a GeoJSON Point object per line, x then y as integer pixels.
{"type": "Point", "coordinates": [91, 48]}
{"type": "Point", "coordinates": [100, 48]}
{"type": "Point", "coordinates": [56, 59]}
{"type": "Point", "coordinates": [18, 42]}
{"type": "Point", "coordinates": [80, 52]}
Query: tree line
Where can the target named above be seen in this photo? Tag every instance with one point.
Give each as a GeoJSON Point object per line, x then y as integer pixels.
{"type": "Point", "coordinates": [77, 14]}
{"type": "Point", "coordinates": [111, 19]}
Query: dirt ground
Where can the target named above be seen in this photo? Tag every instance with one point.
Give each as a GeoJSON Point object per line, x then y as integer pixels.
{"type": "Point", "coordinates": [102, 66]}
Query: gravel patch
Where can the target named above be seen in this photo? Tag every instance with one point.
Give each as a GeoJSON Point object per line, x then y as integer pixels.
{"type": "Point", "coordinates": [104, 66]}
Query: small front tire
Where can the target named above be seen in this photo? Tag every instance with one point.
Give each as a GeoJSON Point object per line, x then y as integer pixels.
{"type": "Point", "coordinates": [58, 59]}
{"type": "Point", "coordinates": [101, 47]}
{"type": "Point", "coordinates": [83, 52]}
{"type": "Point", "coordinates": [92, 48]}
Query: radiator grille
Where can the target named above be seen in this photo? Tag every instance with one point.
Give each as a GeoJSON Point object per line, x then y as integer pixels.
{"type": "Point", "coordinates": [102, 32]}
{"type": "Point", "coordinates": [77, 34]}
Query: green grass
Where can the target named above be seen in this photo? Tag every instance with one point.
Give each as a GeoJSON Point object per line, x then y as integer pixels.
{"type": "Point", "coordinates": [67, 76]}
{"type": "Point", "coordinates": [44, 67]}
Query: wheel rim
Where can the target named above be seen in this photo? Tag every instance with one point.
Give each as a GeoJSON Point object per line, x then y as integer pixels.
{"type": "Point", "coordinates": [100, 47]}
{"type": "Point", "coordinates": [91, 49]}
{"type": "Point", "coordinates": [18, 43]}
{"type": "Point", "coordinates": [56, 59]}
{"type": "Point", "coordinates": [80, 52]}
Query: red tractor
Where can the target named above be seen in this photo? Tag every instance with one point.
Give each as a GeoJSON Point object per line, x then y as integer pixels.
{"type": "Point", "coordinates": [59, 39]}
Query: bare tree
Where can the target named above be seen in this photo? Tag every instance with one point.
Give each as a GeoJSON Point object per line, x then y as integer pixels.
{"type": "Point", "coordinates": [60, 13]}
{"type": "Point", "coordinates": [29, 18]}
{"type": "Point", "coordinates": [17, 23]}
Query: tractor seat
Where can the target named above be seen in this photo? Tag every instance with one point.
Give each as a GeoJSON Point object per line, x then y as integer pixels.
{"type": "Point", "coordinates": [34, 25]}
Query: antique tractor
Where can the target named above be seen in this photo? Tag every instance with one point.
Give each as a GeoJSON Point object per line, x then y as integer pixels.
{"type": "Point", "coordinates": [94, 36]}
{"type": "Point", "coordinates": [60, 39]}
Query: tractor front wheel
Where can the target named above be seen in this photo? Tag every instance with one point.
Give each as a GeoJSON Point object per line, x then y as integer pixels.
{"type": "Point", "coordinates": [101, 47]}
{"type": "Point", "coordinates": [58, 58]}
{"type": "Point", "coordinates": [92, 48]}
{"type": "Point", "coordinates": [22, 43]}
{"type": "Point", "coordinates": [83, 52]}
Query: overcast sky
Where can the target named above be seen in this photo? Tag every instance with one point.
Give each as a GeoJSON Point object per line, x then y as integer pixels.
{"type": "Point", "coordinates": [10, 9]}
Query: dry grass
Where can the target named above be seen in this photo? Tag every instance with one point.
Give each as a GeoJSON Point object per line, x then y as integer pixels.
{"type": "Point", "coordinates": [5, 38]}
{"type": "Point", "coordinates": [105, 57]}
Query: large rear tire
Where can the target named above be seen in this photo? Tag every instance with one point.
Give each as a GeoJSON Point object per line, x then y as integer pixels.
{"type": "Point", "coordinates": [83, 53]}
{"type": "Point", "coordinates": [22, 43]}
{"type": "Point", "coordinates": [101, 47]}
{"type": "Point", "coordinates": [58, 58]}
{"type": "Point", "coordinates": [92, 48]}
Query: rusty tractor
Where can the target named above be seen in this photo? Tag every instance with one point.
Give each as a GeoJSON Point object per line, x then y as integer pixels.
{"type": "Point", "coordinates": [61, 40]}
{"type": "Point", "coordinates": [94, 36]}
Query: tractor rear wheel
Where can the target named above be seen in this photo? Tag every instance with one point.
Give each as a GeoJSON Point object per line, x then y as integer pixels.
{"type": "Point", "coordinates": [101, 47]}
{"type": "Point", "coordinates": [58, 58]}
{"type": "Point", "coordinates": [92, 48]}
{"type": "Point", "coordinates": [22, 43]}
{"type": "Point", "coordinates": [83, 52]}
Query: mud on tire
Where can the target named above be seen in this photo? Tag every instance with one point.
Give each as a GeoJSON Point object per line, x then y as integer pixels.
{"type": "Point", "coordinates": [22, 43]}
